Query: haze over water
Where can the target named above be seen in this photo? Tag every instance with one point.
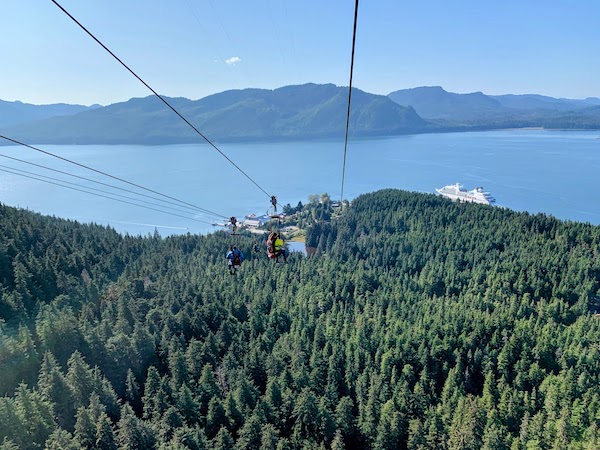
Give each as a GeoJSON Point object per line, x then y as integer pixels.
{"type": "Point", "coordinates": [555, 172]}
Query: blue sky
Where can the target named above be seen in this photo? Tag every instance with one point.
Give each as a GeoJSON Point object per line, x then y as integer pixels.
{"type": "Point", "coordinates": [181, 47]}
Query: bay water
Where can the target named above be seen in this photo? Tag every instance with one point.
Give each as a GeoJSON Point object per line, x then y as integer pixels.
{"type": "Point", "coordinates": [554, 172]}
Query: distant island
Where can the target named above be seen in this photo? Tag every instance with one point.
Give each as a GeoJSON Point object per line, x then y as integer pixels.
{"type": "Point", "coordinates": [304, 112]}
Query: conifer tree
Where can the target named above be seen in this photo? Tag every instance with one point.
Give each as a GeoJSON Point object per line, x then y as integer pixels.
{"type": "Point", "coordinates": [132, 392]}
{"type": "Point", "coordinates": [85, 428]}
{"type": "Point", "coordinates": [269, 437]}
{"type": "Point", "coordinates": [105, 437]}
{"type": "Point", "coordinates": [61, 440]}
{"type": "Point", "coordinates": [223, 440]}
{"type": "Point", "coordinates": [215, 417]}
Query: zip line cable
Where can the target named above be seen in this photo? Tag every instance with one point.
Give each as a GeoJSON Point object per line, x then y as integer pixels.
{"type": "Point", "coordinates": [111, 176]}
{"type": "Point", "coordinates": [220, 23]}
{"type": "Point", "coordinates": [104, 196]}
{"type": "Point", "coordinates": [91, 188]}
{"type": "Point", "coordinates": [232, 47]}
{"type": "Point", "coordinates": [279, 41]}
{"type": "Point", "coordinates": [349, 99]}
{"type": "Point", "coordinates": [159, 96]}
{"type": "Point", "coordinates": [294, 55]}
{"type": "Point", "coordinates": [98, 182]}
{"type": "Point", "coordinates": [215, 49]}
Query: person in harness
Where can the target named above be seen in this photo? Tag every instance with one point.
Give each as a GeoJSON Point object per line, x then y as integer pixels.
{"type": "Point", "coordinates": [276, 247]}
{"type": "Point", "coordinates": [280, 250]}
{"type": "Point", "coordinates": [271, 244]}
{"type": "Point", "coordinates": [234, 259]}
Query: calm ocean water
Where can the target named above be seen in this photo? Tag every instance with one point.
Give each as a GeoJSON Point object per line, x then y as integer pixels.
{"type": "Point", "coordinates": [555, 172]}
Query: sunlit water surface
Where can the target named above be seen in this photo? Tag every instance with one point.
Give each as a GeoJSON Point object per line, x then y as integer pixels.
{"type": "Point", "coordinates": [555, 172]}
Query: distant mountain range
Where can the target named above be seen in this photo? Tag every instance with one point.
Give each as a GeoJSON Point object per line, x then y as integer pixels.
{"type": "Point", "coordinates": [310, 111]}
{"type": "Point", "coordinates": [499, 111]}
{"type": "Point", "coordinates": [12, 113]}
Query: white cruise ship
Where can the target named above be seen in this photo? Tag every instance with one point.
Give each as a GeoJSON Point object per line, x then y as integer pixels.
{"type": "Point", "coordinates": [457, 192]}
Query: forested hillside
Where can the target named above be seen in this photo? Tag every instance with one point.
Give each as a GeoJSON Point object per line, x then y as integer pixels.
{"type": "Point", "coordinates": [419, 324]}
{"type": "Point", "coordinates": [309, 111]}
{"type": "Point", "coordinates": [479, 111]}
{"type": "Point", "coordinates": [12, 113]}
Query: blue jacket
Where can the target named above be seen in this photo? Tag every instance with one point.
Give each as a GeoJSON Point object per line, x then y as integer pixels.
{"type": "Point", "coordinates": [232, 254]}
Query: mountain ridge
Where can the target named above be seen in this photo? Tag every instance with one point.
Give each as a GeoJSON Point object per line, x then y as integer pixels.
{"type": "Point", "coordinates": [296, 112]}
{"type": "Point", "coordinates": [292, 112]}
{"type": "Point", "coordinates": [498, 111]}
{"type": "Point", "coordinates": [13, 113]}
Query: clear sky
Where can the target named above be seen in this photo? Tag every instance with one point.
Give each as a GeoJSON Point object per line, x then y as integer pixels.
{"type": "Point", "coordinates": [194, 48]}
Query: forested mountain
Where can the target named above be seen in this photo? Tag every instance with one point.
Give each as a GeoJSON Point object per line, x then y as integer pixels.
{"type": "Point", "coordinates": [418, 324]}
{"type": "Point", "coordinates": [12, 113]}
{"type": "Point", "coordinates": [293, 112]}
{"type": "Point", "coordinates": [533, 101]}
{"type": "Point", "coordinates": [309, 111]}
{"type": "Point", "coordinates": [435, 103]}
{"type": "Point", "coordinates": [478, 110]}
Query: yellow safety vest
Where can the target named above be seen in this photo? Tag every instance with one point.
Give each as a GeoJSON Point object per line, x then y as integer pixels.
{"type": "Point", "coordinates": [278, 244]}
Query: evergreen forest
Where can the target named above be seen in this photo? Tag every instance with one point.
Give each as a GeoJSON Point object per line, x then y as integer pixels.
{"type": "Point", "coordinates": [418, 324]}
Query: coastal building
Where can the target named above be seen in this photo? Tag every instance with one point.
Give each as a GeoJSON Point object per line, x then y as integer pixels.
{"type": "Point", "coordinates": [254, 221]}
